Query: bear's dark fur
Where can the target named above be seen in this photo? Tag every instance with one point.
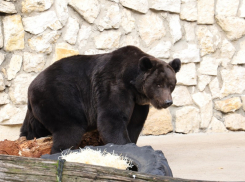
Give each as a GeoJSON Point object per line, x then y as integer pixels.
{"type": "Point", "coordinates": [108, 92]}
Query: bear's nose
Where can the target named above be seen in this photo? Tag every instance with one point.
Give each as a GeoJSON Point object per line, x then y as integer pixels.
{"type": "Point", "coordinates": [168, 103]}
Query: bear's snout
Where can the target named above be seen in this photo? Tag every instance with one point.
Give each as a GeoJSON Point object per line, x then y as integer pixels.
{"type": "Point", "coordinates": [168, 103]}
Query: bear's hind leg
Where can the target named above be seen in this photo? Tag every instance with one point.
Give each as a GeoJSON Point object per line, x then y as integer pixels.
{"type": "Point", "coordinates": [68, 137]}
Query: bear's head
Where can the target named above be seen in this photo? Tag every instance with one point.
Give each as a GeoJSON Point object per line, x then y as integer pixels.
{"type": "Point", "coordinates": [159, 80]}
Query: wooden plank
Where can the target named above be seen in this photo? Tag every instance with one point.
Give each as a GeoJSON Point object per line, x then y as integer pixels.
{"type": "Point", "coordinates": [14, 168]}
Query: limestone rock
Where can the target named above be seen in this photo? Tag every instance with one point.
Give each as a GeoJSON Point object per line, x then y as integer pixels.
{"type": "Point", "coordinates": [166, 5]}
{"type": "Point", "coordinates": [175, 27]}
{"type": "Point", "coordinates": [158, 122]}
{"type": "Point", "coordinates": [203, 81]}
{"type": "Point", "coordinates": [2, 57]}
{"type": "Point", "coordinates": [10, 132]}
{"type": "Point", "coordinates": [205, 104]}
{"type": "Point", "coordinates": [94, 51]}
{"type": "Point", "coordinates": [187, 74]}
{"type": "Point", "coordinates": [11, 115]}
{"type": "Point", "coordinates": [29, 6]}
{"type": "Point", "coordinates": [38, 23]}
{"type": "Point", "coordinates": [181, 96]}
{"type": "Point", "coordinates": [128, 21]}
{"type": "Point", "coordinates": [130, 40]}
{"type": "Point", "coordinates": [2, 84]}
{"type": "Point", "coordinates": [235, 122]}
{"type": "Point", "coordinates": [225, 62]}
{"type": "Point", "coordinates": [209, 66]}
{"type": "Point", "coordinates": [216, 126]}
{"type": "Point", "coordinates": [241, 11]}
{"type": "Point", "coordinates": [189, 55]}
{"type": "Point", "coordinates": [233, 81]}
{"type": "Point", "coordinates": [4, 98]}
{"type": "Point", "coordinates": [112, 19]}
{"type": "Point", "coordinates": [13, 33]}
{"type": "Point", "coordinates": [234, 27]}
{"type": "Point", "coordinates": [88, 9]}
{"type": "Point", "coordinates": [107, 40]}
{"type": "Point", "coordinates": [161, 50]}
{"type": "Point", "coordinates": [151, 28]}
{"type": "Point", "coordinates": [190, 31]}
{"type": "Point", "coordinates": [33, 62]}
{"type": "Point", "coordinates": [239, 57]}
{"type": "Point", "coordinates": [205, 39]}
{"type": "Point", "coordinates": [19, 87]}
{"type": "Point", "coordinates": [14, 66]}
{"type": "Point", "coordinates": [7, 7]}
{"type": "Point", "coordinates": [137, 5]}
{"type": "Point", "coordinates": [228, 105]}
{"type": "Point", "coordinates": [188, 11]}
{"type": "Point", "coordinates": [187, 120]}
{"type": "Point", "coordinates": [71, 32]}
{"type": "Point", "coordinates": [43, 43]}
{"type": "Point", "coordinates": [243, 102]}
{"type": "Point", "coordinates": [214, 88]}
{"type": "Point", "coordinates": [63, 50]}
{"type": "Point", "coordinates": [83, 35]}
{"type": "Point", "coordinates": [227, 7]}
{"type": "Point", "coordinates": [205, 11]}
{"type": "Point", "coordinates": [1, 36]}
{"type": "Point", "coordinates": [227, 49]}
{"type": "Point", "coordinates": [61, 10]}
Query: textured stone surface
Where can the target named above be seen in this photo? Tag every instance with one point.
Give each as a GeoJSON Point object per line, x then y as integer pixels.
{"type": "Point", "coordinates": [151, 28]}
{"type": "Point", "coordinates": [190, 31]}
{"type": "Point", "coordinates": [228, 105]}
{"type": "Point", "coordinates": [158, 122]}
{"type": "Point", "coordinates": [83, 35]}
{"type": "Point", "coordinates": [71, 32]}
{"type": "Point", "coordinates": [1, 35]}
{"type": "Point", "coordinates": [205, 104]}
{"type": "Point", "coordinates": [112, 19]}
{"type": "Point", "coordinates": [214, 88]}
{"type": "Point", "coordinates": [209, 66]}
{"type": "Point", "coordinates": [227, 49]}
{"type": "Point", "coordinates": [216, 126]}
{"type": "Point", "coordinates": [187, 120]}
{"type": "Point", "coordinates": [128, 21]}
{"type": "Point", "coordinates": [10, 132]}
{"type": "Point", "coordinates": [4, 98]}
{"type": "Point", "coordinates": [239, 57]}
{"type": "Point", "coordinates": [166, 5]}
{"type": "Point", "coordinates": [19, 87]}
{"type": "Point", "coordinates": [42, 43]}
{"type": "Point", "coordinates": [2, 57]}
{"type": "Point", "coordinates": [243, 102]}
{"type": "Point", "coordinates": [130, 40]}
{"type": "Point", "coordinates": [187, 74]}
{"type": "Point", "coordinates": [205, 11]}
{"type": "Point", "coordinates": [227, 7]}
{"type": "Point", "coordinates": [233, 81]}
{"type": "Point", "coordinates": [11, 115]}
{"type": "Point", "coordinates": [203, 81]}
{"type": "Point", "coordinates": [188, 11]}
{"type": "Point", "coordinates": [88, 9]}
{"type": "Point", "coordinates": [2, 84]}
{"type": "Point", "coordinates": [63, 50]}
{"type": "Point", "coordinates": [205, 39]}
{"type": "Point", "coordinates": [137, 5]}
{"type": "Point", "coordinates": [107, 40]}
{"type": "Point", "coordinates": [38, 23]}
{"type": "Point", "coordinates": [161, 50]}
{"type": "Point", "coordinates": [14, 66]}
{"type": "Point", "coordinates": [189, 55]}
{"type": "Point", "coordinates": [235, 122]}
{"type": "Point", "coordinates": [241, 11]}
{"type": "Point", "coordinates": [234, 27]}
{"type": "Point", "coordinates": [33, 62]}
{"type": "Point", "coordinates": [7, 7]}
{"type": "Point", "coordinates": [61, 10]}
{"type": "Point", "coordinates": [175, 27]}
{"type": "Point", "coordinates": [36, 5]}
{"type": "Point", "coordinates": [13, 33]}
{"type": "Point", "coordinates": [181, 96]}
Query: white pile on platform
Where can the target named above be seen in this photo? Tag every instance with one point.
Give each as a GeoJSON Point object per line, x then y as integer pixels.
{"type": "Point", "coordinates": [96, 157]}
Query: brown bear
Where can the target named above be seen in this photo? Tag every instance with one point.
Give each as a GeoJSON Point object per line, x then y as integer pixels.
{"type": "Point", "coordinates": [109, 92]}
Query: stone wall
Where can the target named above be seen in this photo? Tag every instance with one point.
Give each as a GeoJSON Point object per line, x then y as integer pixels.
{"type": "Point", "coordinates": [207, 35]}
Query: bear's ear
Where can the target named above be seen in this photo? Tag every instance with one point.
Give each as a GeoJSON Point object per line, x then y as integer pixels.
{"type": "Point", "coordinates": [145, 63]}
{"type": "Point", "coordinates": [175, 64]}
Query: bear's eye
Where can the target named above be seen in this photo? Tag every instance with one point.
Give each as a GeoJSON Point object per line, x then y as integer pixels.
{"type": "Point", "coordinates": [158, 85]}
